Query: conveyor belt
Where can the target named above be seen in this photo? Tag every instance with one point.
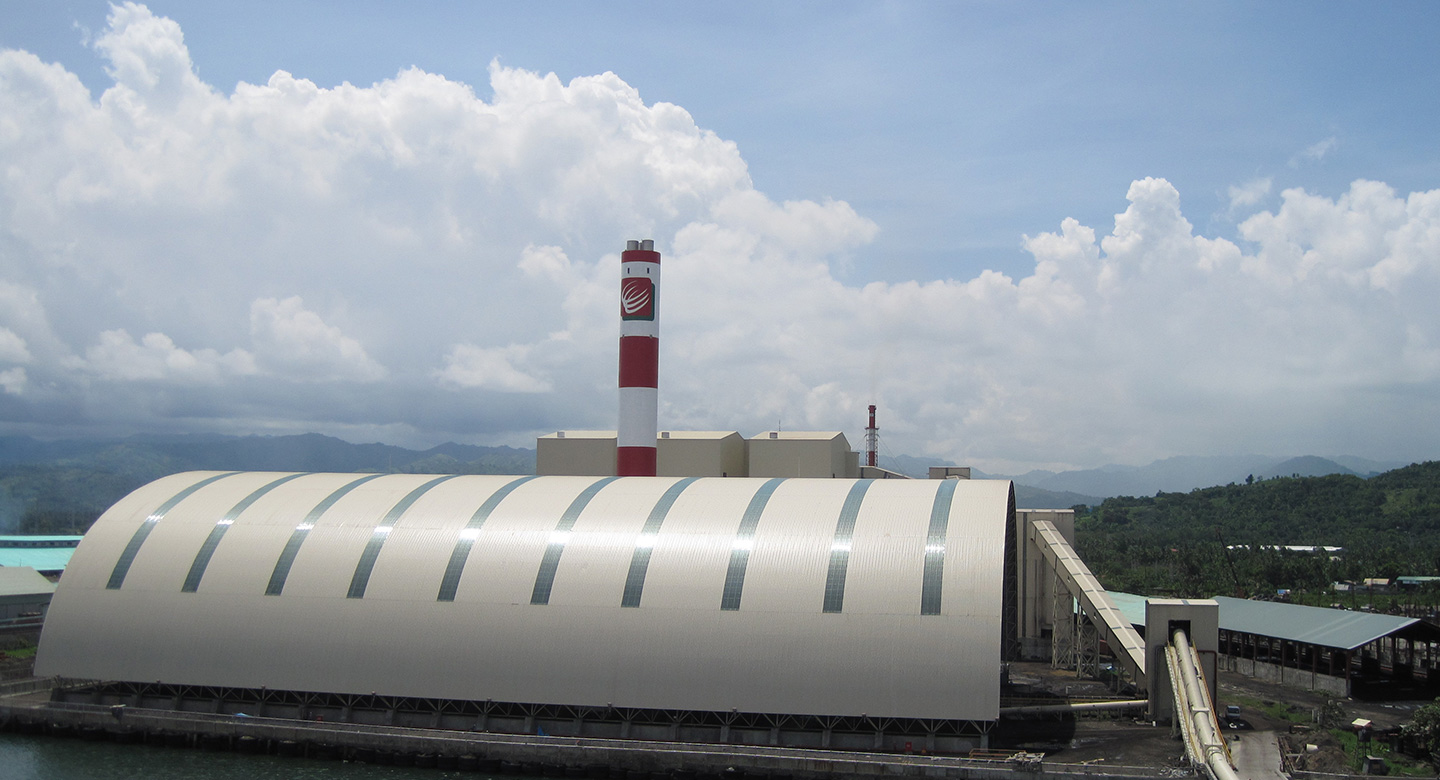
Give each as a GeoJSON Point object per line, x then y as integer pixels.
{"type": "Point", "coordinates": [1124, 642]}
{"type": "Point", "coordinates": [1204, 742]}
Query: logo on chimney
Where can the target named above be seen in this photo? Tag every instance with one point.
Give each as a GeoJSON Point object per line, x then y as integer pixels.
{"type": "Point", "coordinates": [637, 298]}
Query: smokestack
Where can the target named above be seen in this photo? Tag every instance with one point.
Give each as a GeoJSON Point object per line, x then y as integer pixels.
{"type": "Point", "coordinates": [872, 439]}
{"type": "Point", "coordinates": [639, 359]}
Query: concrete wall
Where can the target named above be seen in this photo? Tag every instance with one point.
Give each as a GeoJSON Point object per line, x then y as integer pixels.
{"type": "Point", "coordinates": [17, 606]}
{"type": "Point", "coordinates": [1295, 678]}
{"type": "Point", "coordinates": [1036, 599]}
{"type": "Point", "coordinates": [195, 729]}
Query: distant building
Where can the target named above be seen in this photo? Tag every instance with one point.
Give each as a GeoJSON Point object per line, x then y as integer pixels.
{"type": "Point", "coordinates": [24, 594]}
{"type": "Point", "coordinates": [818, 454]}
{"type": "Point", "coordinates": [803, 454]}
{"type": "Point", "coordinates": [575, 454]}
{"type": "Point", "coordinates": [1339, 652]}
{"type": "Point", "coordinates": [701, 454]}
{"type": "Point", "coordinates": [1295, 548]}
{"type": "Point", "coordinates": [48, 555]}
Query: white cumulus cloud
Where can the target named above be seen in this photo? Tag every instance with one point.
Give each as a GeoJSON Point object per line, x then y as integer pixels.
{"type": "Point", "coordinates": [490, 368]}
{"type": "Point", "coordinates": [1315, 152]}
{"type": "Point", "coordinates": [13, 348]}
{"type": "Point", "coordinates": [156, 357]}
{"type": "Point", "coordinates": [411, 261]}
{"type": "Point", "coordinates": [13, 380]}
{"type": "Point", "coordinates": [1250, 193]}
{"type": "Point", "coordinates": [294, 342]}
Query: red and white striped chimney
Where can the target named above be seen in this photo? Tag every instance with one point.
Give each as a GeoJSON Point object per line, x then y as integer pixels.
{"type": "Point", "coordinates": [639, 359]}
{"type": "Point", "coordinates": [872, 440]}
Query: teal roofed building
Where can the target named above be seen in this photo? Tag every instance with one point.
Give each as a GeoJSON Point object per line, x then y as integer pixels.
{"type": "Point", "coordinates": [48, 555]}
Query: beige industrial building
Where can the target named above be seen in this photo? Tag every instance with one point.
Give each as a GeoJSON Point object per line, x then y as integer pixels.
{"type": "Point", "coordinates": [813, 454]}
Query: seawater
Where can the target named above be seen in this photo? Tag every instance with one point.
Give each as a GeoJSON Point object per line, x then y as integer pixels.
{"type": "Point", "coordinates": [33, 757]}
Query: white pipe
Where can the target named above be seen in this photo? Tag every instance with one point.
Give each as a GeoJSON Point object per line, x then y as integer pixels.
{"type": "Point", "coordinates": [1201, 714]}
{"type": "Point", "coordinates": [1082, 706]}
{"type": "Point", "coordinates": [1182, 705]}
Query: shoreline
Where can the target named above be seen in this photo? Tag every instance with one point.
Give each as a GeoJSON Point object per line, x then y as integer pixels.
{"type": "Point", "coordinates": [25, 707]}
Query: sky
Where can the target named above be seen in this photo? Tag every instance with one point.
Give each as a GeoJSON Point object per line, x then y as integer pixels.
{"type": "Point", "coordinates": [1035, 235]}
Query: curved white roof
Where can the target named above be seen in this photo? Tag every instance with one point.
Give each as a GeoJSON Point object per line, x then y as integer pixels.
{"type": "Point", "coordinates": [803, 596]}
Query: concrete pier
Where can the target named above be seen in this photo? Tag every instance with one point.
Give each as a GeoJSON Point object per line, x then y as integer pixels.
{"type": "Point", "coordinates": [25, 706]}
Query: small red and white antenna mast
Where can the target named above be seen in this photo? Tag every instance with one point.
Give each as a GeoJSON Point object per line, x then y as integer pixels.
{"type": "Point", "coordinates": [872, 439]}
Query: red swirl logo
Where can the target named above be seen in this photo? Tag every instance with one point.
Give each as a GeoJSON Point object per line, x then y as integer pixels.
{"type": "Point", "coordinates": [637, 298]}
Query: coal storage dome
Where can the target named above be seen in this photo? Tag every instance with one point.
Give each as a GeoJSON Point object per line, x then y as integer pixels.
{"type": "Point", "coordinates": [817, 597]}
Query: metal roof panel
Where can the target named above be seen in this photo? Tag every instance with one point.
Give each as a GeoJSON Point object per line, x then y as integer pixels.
{"type": "Point", "coordinates": [778, 653]}
{"type": "Point", "coordinates": [1336, 628]}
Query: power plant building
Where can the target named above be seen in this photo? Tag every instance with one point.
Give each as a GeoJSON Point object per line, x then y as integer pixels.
{"type": "Point", "coordinates": [690, 586]}
{"type": "Point", "coordinates": [818, 454]}
{"type": "Point", "coordinates": [702, 454]}
{"type": "Point", "coordinates": [761, 610]}
{"type": "Point", "coordinates": [813, 454]}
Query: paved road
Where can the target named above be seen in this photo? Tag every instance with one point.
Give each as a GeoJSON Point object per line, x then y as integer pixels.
{"type": "Point", "coordinates": [1256, 754]}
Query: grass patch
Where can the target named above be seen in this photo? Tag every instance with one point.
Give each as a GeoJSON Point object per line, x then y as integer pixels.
{"type": "Point", "coordinates": [1350, 745]}
{"type": "Point", "coordinates": [18, 647]}
{"type": "Point", "coordinates": [1397, 764]}
{"type": "Point", "coordinates": [1274, 709]}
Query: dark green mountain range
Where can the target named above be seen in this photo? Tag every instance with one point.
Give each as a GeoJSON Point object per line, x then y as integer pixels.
{"type": "Point", "coordinates": [62, 486]}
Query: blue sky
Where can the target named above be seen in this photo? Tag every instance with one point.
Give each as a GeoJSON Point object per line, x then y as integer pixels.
{"type": "Point", "coordinates": [956, 126]}
{"type": "Point", "coordinates": [946, 133]}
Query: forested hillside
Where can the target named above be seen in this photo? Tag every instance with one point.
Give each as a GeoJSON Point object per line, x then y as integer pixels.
{"type": "Point", "coordinates": [1168, 544]}
{"type": "Point", "coordinates": [1176, 543]}
{"type": "Point", "coordinates": [62, 487]}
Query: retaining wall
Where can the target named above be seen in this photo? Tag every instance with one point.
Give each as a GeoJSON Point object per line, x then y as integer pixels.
{"type": "Point", "coordinates": [1284, 675]}
{"type": "Point", "coordinates": [566, 755]}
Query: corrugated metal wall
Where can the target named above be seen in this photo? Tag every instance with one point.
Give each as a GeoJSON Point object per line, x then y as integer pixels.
{"type": "Point", "coordinates": [804, 596]}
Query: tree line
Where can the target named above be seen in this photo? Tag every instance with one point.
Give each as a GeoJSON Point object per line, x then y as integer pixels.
{"type": "Point", "coordinates": [1222, 540]}
{"type": "Point", "coordinates": [63, 487]}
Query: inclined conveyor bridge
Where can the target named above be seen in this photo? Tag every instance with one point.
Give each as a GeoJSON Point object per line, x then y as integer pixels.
{"type": "Point", "coordinates": [1082, 615]}
{"type": "Point", "coordinates": [1096, 608]}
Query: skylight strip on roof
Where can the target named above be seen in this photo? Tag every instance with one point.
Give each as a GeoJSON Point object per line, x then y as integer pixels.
{"type": "Point", "coordinates": [361, 580]}
{"type": "Point", "coordinates": [933, 577]}
{"type": "Point", "coordinates": [458, 556]}
{"type": "Point", "coordinates": [545, 578]}
{"type": "Point", "coordinates": [297, 537]}
{"type": "Point", "coordinates": [640, 559]}
{"type": "Point", "coordinates": [840, 547]}
{"type": "Point", "coordinates": [744, 541]}
{"type": "Point", "coordinates": [132, 548]}
{"type": "Point", "coordinates": [207, 549]}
